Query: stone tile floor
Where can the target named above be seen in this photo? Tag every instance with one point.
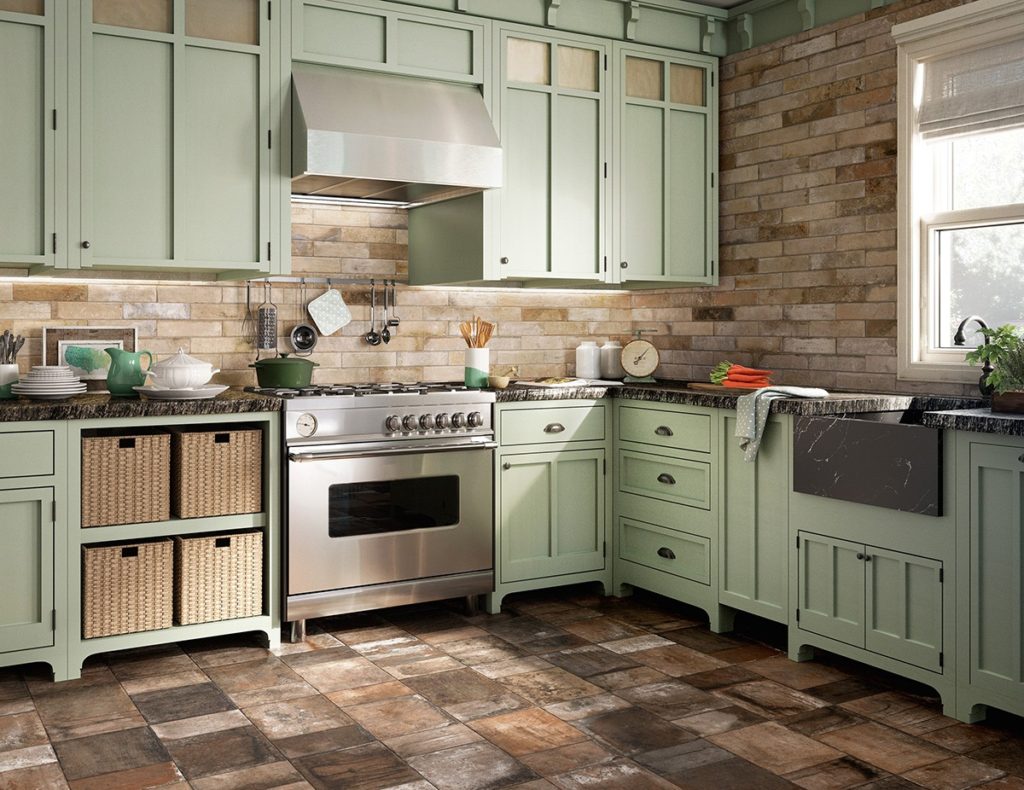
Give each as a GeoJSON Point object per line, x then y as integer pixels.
{"type": "Point", "coordinates": [563, 689]}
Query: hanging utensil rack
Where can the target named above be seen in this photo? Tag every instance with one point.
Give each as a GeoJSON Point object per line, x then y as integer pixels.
{"type": "Point", "coordinates": [324, 280]}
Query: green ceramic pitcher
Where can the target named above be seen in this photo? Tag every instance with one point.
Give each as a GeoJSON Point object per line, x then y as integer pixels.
{"type": "Point", "coordinates": [126, 371]}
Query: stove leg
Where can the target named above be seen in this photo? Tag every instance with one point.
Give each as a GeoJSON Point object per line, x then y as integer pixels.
{"type": "Point", "coordinates": [472, 605]}
{"type": "Point", "coordinates": [296, 631]}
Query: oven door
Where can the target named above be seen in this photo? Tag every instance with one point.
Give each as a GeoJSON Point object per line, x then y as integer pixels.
{"type": "Point", "coordinates": [370, 517]}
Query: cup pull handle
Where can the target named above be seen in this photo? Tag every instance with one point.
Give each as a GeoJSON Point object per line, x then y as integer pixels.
{"type": "Point", "coordinates": [667, 479]}
{"type": "Point", "coordinates": [506, 465]}
{"type": "Point", "coordinates": [554, 427]}
{"type": "Point", "coordinates": [667, 553]}
{"type": "Point", "coordinates": [663, 430]}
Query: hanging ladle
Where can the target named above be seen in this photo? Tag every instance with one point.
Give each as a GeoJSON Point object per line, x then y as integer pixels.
{"type": "Point", "coordinates": [385, 333]}
{"type": "Point", "coordinates": [373, 336]}
{"type": "Point", "coordinates": [394, 321]}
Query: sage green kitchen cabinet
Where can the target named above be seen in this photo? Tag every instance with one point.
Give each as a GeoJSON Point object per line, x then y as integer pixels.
{"type": "Point", "coordinates": [665, 155]}
{"type": "Point", "coordinates": [754, 520]}
{"type": "Point", "coordinates": [171, 149]}
{"type": "Point", "coordinates": [551, 503]}
{"type": "Point", "coordinates": [990, 556]}
{"type": "Point", "coordinates": [885, 601]}
{"type": "Point", "coordinates": [33, 129]}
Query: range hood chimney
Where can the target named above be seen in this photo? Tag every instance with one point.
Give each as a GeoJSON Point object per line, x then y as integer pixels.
{"type": "Point", "coordinates": [369, 136]}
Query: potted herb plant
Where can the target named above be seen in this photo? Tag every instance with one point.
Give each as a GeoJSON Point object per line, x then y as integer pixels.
{"type": "Point", "coordinates": [1004, 350]}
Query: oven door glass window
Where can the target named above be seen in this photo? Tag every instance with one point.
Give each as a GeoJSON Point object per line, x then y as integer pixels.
{"type": "Point", "coordinates": [372, 508]}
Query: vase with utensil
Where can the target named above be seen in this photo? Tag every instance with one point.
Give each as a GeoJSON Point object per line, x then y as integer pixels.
{"type": "Point", "coordinates": [477, 333]}
{"type": "Point", "coordinates": [10, 345]}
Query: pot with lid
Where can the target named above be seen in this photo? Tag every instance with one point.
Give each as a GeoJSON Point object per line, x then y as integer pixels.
{"type": "Point", "coordinates": [181, 371]}
{"type": "Point", "coordinates": [284, 371]}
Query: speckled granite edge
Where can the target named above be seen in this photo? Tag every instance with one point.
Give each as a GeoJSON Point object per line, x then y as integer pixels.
{"type": "Point", "coordinates": [90, 407]}
{"type": "Point", "coordinates": [977, 420]}
{"type": "Point", "coordinates": [520, 393]}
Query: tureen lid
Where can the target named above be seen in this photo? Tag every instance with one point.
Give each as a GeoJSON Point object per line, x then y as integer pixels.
{"type": "Point", "coordinates": [181, 360]}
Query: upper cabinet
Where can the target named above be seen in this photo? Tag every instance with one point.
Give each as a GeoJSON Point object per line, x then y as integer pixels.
{"type": "Point", "coordinates": [32, 167]}
{"type": "Point", "coordinates": [666, 152]}
{"type": "Point", "coordinates": [175, 138]}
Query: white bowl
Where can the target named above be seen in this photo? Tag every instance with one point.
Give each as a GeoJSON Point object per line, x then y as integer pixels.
{"type": "Point", "coordinates": [180, 371]}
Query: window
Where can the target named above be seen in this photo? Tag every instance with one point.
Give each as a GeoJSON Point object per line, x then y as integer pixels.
{"type": "Point", "coordinates": [961, 181]}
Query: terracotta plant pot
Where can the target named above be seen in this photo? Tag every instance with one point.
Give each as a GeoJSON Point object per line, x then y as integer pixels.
{"type": "Point", "coordinates": [1011, 402]}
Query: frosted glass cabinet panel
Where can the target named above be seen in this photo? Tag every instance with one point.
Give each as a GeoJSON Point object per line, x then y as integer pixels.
{"type": "Point", "coordinates": [223, 20]}
{"type": "Point", "coordinates": [155, 15]}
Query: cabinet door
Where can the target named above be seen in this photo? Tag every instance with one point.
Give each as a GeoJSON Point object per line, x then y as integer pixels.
{"type": "Point", "coordinates": [27, 132]}
{"type": "Point", "coordinates": [666, 150]}
{"type": "Point", "coordinates": [831, 588]}
{"type": "Point", "coordinates": [552, 514]}
{"type": "Point", "coordinates": [904, 607]}
{"type": "Point", "coordinates": [26, 565]}
{"type": "Point", "coordinates": [552, 119]}
{"type": "Point", "coordinates": [753, 557]}
{"type": "Point", "coordinates": [172, 174]}
{"type": "Point", "coordinates": [996, 586]}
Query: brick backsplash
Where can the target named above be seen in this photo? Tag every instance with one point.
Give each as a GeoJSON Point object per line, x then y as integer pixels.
{"type": "Point", "coordinates": [808, 253]}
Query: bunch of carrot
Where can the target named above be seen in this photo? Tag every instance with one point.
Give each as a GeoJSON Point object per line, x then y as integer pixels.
{"type": "Point", "coordinates": [740, 377]}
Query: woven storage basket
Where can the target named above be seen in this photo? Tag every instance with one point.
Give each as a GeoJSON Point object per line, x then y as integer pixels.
{"type": "Point", "coordinates": [127, 588]}
{"type": "Point", "coordinates": [218, 577]}
{"type": "Point", "coordinates": [217, 473]}
{"type": "Point", "coordinates": [125, 479]}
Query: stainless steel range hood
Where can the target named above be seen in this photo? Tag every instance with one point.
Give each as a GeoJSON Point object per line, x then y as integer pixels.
{"type": "Point", "coordinates": [362, 135]}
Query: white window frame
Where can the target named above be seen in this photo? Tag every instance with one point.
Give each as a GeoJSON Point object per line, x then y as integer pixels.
{"type": "Point", "coordinates": [978, 24]}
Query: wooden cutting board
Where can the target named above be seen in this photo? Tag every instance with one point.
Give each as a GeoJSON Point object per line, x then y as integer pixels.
{"type": "Point", "coordinates": [709, 387]}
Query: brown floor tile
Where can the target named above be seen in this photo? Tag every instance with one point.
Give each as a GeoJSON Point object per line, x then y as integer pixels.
{"type": "Point", "coordinates": [20, 705]}
{"type": "Point", "coordinates": [527, 731]}
{"type": "Point", "coordinates": [368, 767]}
{"type": "Point", "coordinates": [633, 730]}
{"type": "Point", "coordinates": [200, 725]}
{"type": "Point", "coordinates": [677, 660]}
{"type": "Point", "coordinates": [421, 665]}
{"type": "Point", "coordinates": [720, 678]}
{"type": "Point", "coordinates": [481, 650]}
{"type": "Point", "coordinates": [745, 653]}
{"type": "Point", "coordinates": [262, 777]}
{"type": "Point", "coordinates": [821, 720]}
{"type": "Point", "coordinates": [184, 702]}
{"type": "Point", "coordinates": [548, 686]}
{"type": "Point", "coordinates": [627, 678]}
{"type": "Point", "coordinates": [773, 747]}
{"type": "Point", "coordinates": [550, 644]}
{"type": "Point", "coordinates": [1006, 783]}
{"type": "Point", "coordinates": [731, 774]}
{"type": "Point", "coordinates": [672, 699]}
{"type": "Point", "coordinates": [28, 757]}
{"type": "Point", "coordinates": [569, 616]}
{"type": "Point", "coordinates": [512, 666]}
{"type": "Point", "coordinates": [79, 710]}
{"type": "Point", "coordinates": [400, 716]}
{"type": "Point", "coordinates": [836, 775]}
{"type": "Point", "coordinates": [319, 741]}
{"type": "Point", "coordinates": [110, 752]}
{"type": "Point", "coordinates": [962, 738]}
{"type": "Point", "coordinates": [566, 758]}
{"type": "Point", "coordinates": [602, 629]}
{"type": "Point", "coordinates": [770, 699]}
{"type": "Point", "coordinates": [1007, 756]}
{"type": "Point", "coordinates": [889, 749]}
{"type": "Point", "coordinates": [220, 651]}
{"type": "Point", "coordinates": [20, 730]}
{"type": "Point", "coordinates": [713, 722]}
{"type": "Point", "coordinates": [611, 776]}
{"type": "Point", "coordinates": [590, 660]}
{"type": "Point", "coordinates": [147, 661]}
{"type": "Point", "coordinates": [843, 690]}
{"type": "Point", "coordinates": [585, 707]}
{"type": "Point", "coordinates": [311, 657]}
{"type": "Point", "coordinates": [217, 752]}
{"type": "Point", "coordinates": [297, 717]}
{"type": "Point", "coordinates": [475, 766]}
{"type": "Point", "coordinates": [703, 640]}
{"type": "Point", "coordinates": [313, 643]}
{"type": "Point", "coordinates": [634, 644]}
{"type": "Point", "coordinates": [157, 775]}
{"type": "Point", "coordinates": [795, 674]}
{"type": "Point", "coordinates": [383, 643]}
{"type": "Point", "coordinates": [49, 776]}
{"type": "Point", "coordinates": [173, 680]}
{"type": "Point", "coordinates": [957, 773]}
{"type": "Point", "coordinates": [466, 694]}
{"type": "Point", "coordinates": [250, 683]}
{"type": "Point", "coordinates": [374, 692]}
{"type": "Point", "coordinates": [525, 628]}
{"type": "Point", "coordinates": [344, 674]}
{"type": "Point", "coordinates": [899, 711]}
{"type": "Point", "coordinates": [460, 634]}
{"type": "Point", "coordinates": [434, 740]}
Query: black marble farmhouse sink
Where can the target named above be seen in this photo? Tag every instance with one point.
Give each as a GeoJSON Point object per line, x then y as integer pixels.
{"type": "Point", "coordinates": [882, 458]}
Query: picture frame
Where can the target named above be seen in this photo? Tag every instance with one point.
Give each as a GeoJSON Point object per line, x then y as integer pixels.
{"type": "Point", "coordinates": [91, 367]}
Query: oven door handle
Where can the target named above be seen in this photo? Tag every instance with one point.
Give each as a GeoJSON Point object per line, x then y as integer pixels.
{"type": "Point", "coordinates": [336, 455]}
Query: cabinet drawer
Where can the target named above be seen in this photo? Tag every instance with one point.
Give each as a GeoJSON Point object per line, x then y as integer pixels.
{"type": "Point", "coordinates": [678, 553]}
{"type": "Point", "coordinates": [676, 430]}
{"type": "Point", "coordinates": [573, 424]}
{"type": "Point", "coordinates": [671, 479]}
{"type": "Point", "coordinates": [26, 453]}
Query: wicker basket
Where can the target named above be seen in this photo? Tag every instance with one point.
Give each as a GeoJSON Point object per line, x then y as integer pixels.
{"type": "Point", "coordinates": [126, 479]}
{"type": "Point", "coordinates": [127, 588]}
{"type": "Point", "coordinates": [217, 473]}
{"type": "Point", "coordinates": [218, 577]}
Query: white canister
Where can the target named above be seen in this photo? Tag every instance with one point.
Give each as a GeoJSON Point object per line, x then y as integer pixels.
{"type": "Point", "coordinates": [611, 361]}
{"type": "Point", "coordinates": [478, 364]}
{"type": "Point", "coordinates": [588, 360]}
{"type": "Point", "coordinates": [8, 376]}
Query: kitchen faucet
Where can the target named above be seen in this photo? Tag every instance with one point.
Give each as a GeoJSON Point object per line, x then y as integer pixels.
{"type": "Point", "coordinates": [986, 369]}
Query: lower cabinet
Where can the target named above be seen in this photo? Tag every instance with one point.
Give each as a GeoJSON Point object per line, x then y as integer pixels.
{"type": "Point", "coordinates": [550, 497]}
{"type": "Point", "coordinates": [27, 523]}
{"type": "Point", "coordinates": [883, 601]}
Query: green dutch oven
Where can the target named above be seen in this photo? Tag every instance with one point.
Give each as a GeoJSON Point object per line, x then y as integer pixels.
{"type": "Point", "coordinates": [284, 371]}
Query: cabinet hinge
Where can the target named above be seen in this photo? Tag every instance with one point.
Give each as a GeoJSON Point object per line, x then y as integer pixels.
{"type": "Point", "coordinates": [942, 576]}
{"type": "Point", "coordinates": [798, 615]}
{"type": "Point", "coordinates": [798, 541]}
{"type": "Point", "coordinates": [269, 13]}
{"type": "Point", "coordinates": [604, 548]}
{"type": "Point", "coordinates": [606, 264]}
{"type": "Point", "coordinates": [712, 79]}
{"type": "Point", "coordinates": [712, 180]}
{"type": "Point", "coordinates": [606, 170]}
{"type": "Point", "coordinates": [55, 119]}
{"type": "Point", "coordinates": [604, 466]}
{"type": "Point", "coordinates": [269, 132]}
{"type": "Point", "coordinates": [53, 242]}
{"type": "Point", "coordinates": [606, 63]}
{"type": "Point", "coordinates": [942, 659]}
{"type": "Point", "coordinates": [268, 250]}
{"type": "Point", "coordinates": [53, 619]}
{"type": "Point", "coordinates": [53, 511]}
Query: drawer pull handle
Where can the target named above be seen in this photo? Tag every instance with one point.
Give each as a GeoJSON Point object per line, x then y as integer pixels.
{"type": "Point", "coordinates": [663, 430]}
{"type": "Point", "coordinates": [554, 427]}
{"type": "Point", "coordinates": [667, 479]}
{"type": "Point", "coordinates": [667, 553]}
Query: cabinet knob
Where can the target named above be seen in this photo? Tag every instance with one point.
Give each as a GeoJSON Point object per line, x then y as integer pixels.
{"type": "Point", "coordinates": [86, 245]}
{"type": "Point", "coordinates": [624, 265]}
{"type": "Point", "coordinates": [667, 479]}
{"type": "Point", "coordinates": [867, 558]}
{"type": "Point", "coordinates": [555, 427]}
{"type": "Point", "coordinates": [663, 430]}
{"type": "Point", "coordinates": [504, 260]}
{"type": "Point", "coordinates": [860, 555]}
{"type": "Point", "coordinates": [506, 465]}
{"type": "Point", "coordinates": [1021, 458]}
{"type": "Point", "coordinates": [667, 553]}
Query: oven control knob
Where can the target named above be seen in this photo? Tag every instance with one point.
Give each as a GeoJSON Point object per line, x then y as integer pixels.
{"type": "Point", "coordinates": [409, 422]}
{"type": "Point", "coordinates": [475, 419]}
{"type": "Point", "coordinates": [426, 422]}
{"type": "Point", "coordinates": [393, 423]}
{"type": "Point", "coordinates": [458, 420]}
{"type": "Point", "coordinates": [442, 421]}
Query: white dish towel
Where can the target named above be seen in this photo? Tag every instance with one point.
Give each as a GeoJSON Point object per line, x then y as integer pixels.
{"type": "Point", "coordinates": [752, 413]}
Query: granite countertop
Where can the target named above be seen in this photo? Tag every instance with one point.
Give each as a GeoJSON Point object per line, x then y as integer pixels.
{"type": "Point", "coordinates": [87, 407]}
{"type": "Point", "coordinates": [977, 420]}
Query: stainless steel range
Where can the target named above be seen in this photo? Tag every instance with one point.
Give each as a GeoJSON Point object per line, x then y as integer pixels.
{"type": "Point", "coordinates": [389, 497]}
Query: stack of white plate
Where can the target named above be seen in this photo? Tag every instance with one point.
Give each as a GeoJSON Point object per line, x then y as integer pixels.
{"type": "Point", "coordinates": [49, 382]}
